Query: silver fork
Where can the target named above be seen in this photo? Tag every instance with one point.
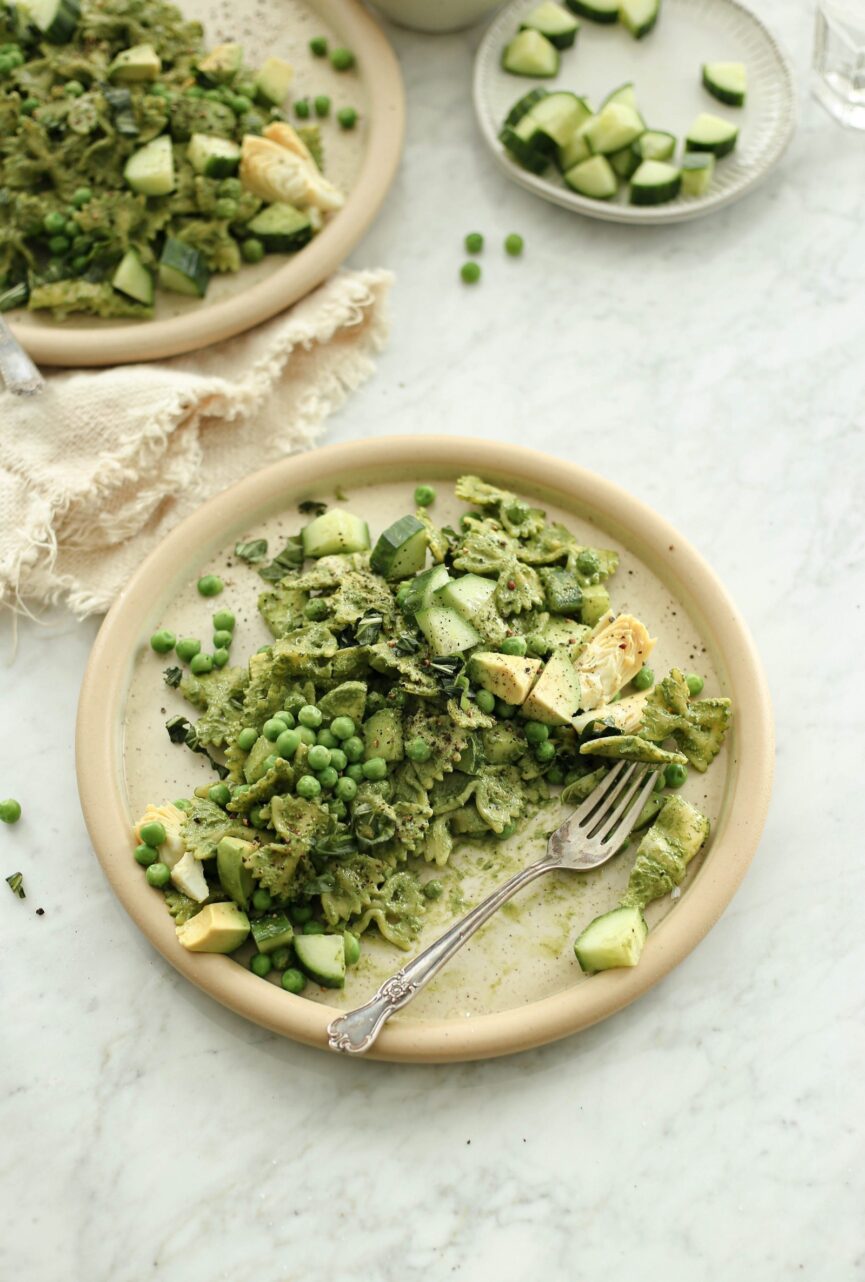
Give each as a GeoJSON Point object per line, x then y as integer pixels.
{"type": "Point", "coordinates": [17, 371]}
{"type": "Point", "coordinates": [587, 839]}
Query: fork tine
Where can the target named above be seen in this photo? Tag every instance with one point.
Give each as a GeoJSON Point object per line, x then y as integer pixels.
{"type": "Point", "coordinates": [627, 811]}
{"type": "Point", "coordinates": [598, 794]}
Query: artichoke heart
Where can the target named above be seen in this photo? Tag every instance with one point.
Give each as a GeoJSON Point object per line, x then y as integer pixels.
{"type": "Point", "coordinates": [612, 658]}
{"type": "Point", "coordinates": [278, 166]}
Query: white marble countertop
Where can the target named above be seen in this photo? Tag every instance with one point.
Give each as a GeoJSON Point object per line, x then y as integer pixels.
{"type": "Point", "coordinates": [713, 1129]}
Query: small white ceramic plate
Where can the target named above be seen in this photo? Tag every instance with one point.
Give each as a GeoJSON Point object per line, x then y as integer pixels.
{"type": "Point", "coordinates": [665, 69]}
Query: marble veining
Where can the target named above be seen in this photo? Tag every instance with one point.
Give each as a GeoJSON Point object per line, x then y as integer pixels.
{"type": "Point", "coordinates": [715, 1128]}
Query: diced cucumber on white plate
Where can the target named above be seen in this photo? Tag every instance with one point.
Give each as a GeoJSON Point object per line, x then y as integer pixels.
{"type": "Point", "coordinates": [614, 127]}
{"type": "Point", "coordinates": [698, 168]}
{"type": "Point", "coordinates": [554, 22]}
{"type": "Point", "coordinates": [655, 182]}
{"type": "Point", "coordinates": [639, 16]}
{"type": "Point", "coordinates": [531, 54]}
{"type": "Point", "coordinates": [711, 133]}
{"type": "Point", "coordinates": [726, 81]}
{"type": "Point", "coordinates": [596, 10]}
{"type": "Point", "coordinates": [654, 144]}
{"type": "Point", "coordinates": [594, 177]}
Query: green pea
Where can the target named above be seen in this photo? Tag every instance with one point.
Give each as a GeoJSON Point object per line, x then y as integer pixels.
{"type": "Point", "coordinates": [301, 109]}
{"type": "Point", "coordinates": [346, 789]}
{"type": "Point", "coordinates": [347, 118]}
{"type": "Point", "coordinates": [53, 223]}
{"type": "Point", "coordinates": [694, 682]}
{"type": "Point", "coordinates": [81, 196]}
{"type": "Point", "coordinates": [59, 245]}
{"type": "Point", "coordinates": [424, 496]}
{"type": "Point", "coordinates": [474, 242]}
{"type": "Point", "coordinates": [308, 787]}
{"type": "Point", "coordinates": [224, 621]}
{"type": "Point", "coordinates": [299, 913]}
{"type": "Point", "coordinates": [514, 645]}
{"type": "Point", "coordinates": [545, 751]}
{"type": "Point", "coordinates": [146, 855]}
{"type": "Point", "coordinates": [536, 731]}
{"type": "Point", "coordinates": [310, 716]}
{"type": "Point", "coordinates": [252, 250]}
{"type": "Point", "coordinates": [273, 728]}
{"type": "Point", "coordinates": [314, 928]}
{"type": "Point", "coordinates": [318, 757]}
{"type": "Point", "coordinates": [73, 89]}
{"type": "Point", "coordinates": [470, 273]}
{"type": "Point", "coordinates": [514, 245]}
{"type": "Point", "coordinates": [417, 750]}
{"type": "Point", "coordinates": [70, 229]}
{"type": "Point", "coordinates": [262, 900]}
{"type": "Point", "coordinates": [328, 777]}
{"type": "Point", "coordinates": [81, 244]}
{"type": "Point", "coordinates": [351, 943]}
{"type": "Point", "coordinates": [220, 794]}
{"type": "Point", "coordinates": [341, 59]}
{"type": "Point", "coordinates": [322, 105]}
{"type": "Point", "coordinates": [260, 964]}
{"type": "Point", "coordinates": [210, 585]}
{"type": "Point", "coordinates": [162, 641]}
{"type": "Point", "coordinates": [355, 772]}
{"type": "Point", "coordinates": [507, 831]}
{"type": "Point", "coordinates": [318, 46]}
{"type": "Point", "coordinates": [158, 875]}
{"type": "Point", "coordinates": [281, 957]}
{"type": "Point", "coordinates": [79, 262]}
{"type": "Point", "coordinates": [555, 775]}
{"type": "Point", "coordinates": [353, 747]}
{"type": "Point", "coordinates": [256, 818]}
{"type": "Point", "coordinates": [326, 738]}
{"type": "Point", "coordinates": [201, 664]}
{"type": "Point", "coordinates": [6, 65]}
{"type": "Point", "coordinates": [338, 759]}
{"type": "Point", "coordinates": [537, 645]}
{"type": "Point", "coordinates": [225, 208]}
{"type": "Point", "coordinates": [588, 562]}
{"type": "Point", "coordinates": [246, 738]}
{"type": "Point", "coordinates": [222, 640]}
{"type": "Point", "coordinates": [182, 803]}
{"type": "Point", "coordinates": [675, 775]}
{"type": "Point", "coordinates": [187, 648]}
{"type": "Point", "coordinates": [239, 103]}
{"type": "Point", "coordinates": [152, 834]}
{"type": "Point", "coordinates": [10, 811]}
{"type": "Point", "coordinates": [287, 743]}
{"type": "Point", "coordinates": [316, 609]}
{"type": "Point", "coordinates": [343, 728]}
{"type": "Point", "coordinates": [644, 679]}
{"type": "Point", "coordinates": [433, 889]}
{"type": "Point", "coordinates": [307, 735]}
{"type": "Point", "coordinates": [375, 768]}
{"type": "Point", "coordinates": [293, 981]}
{"type": "Point", "coordinates": [505, 710]}
{"type": "Point", "coordinates": [28, 106]}
{"type": "Point", "coordinates": [485, 700]}
{"type": "Point", "coordinates": [213, 95]}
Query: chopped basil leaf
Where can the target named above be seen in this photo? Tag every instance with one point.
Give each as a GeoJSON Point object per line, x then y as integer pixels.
{"type": "Point", "coordinates": [312, 507]}
{"type": "Point", "coordinates": [172, 677]}
{"type": "Point", "coordinates": [16, 884]}
{"type": "Point", "coordinates": [284, 562]}
{"type": "Point", "coordinates": [181, 730]}
{"type": "Point", "coordinates": [254, 550]}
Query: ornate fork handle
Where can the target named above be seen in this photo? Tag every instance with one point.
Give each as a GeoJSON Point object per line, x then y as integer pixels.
{"type": "Point", "coordinates": [16, 368]}
{"type": "Point", "coordinates": [356, 1031]}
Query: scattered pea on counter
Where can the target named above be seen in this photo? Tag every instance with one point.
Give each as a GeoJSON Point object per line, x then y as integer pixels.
{"type": "Point", "coordinates": [514, 245]}
{"type": "Point", "coordinates": [470, 273]}
{"type": "Point", "coordinates": [342, 59]}
{"type": "Point", "coordinates": [474, 242]}
{"type": "Point", "coordinates": [10, 811]}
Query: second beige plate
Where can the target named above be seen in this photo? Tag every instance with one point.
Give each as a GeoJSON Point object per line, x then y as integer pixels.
{"type": "Point", "coordinates": [362, 162]}
{"type": "Point", "coordinates": [517, 983]}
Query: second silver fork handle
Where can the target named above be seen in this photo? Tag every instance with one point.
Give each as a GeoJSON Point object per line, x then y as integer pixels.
{"type": "Point", "coordinates": [16, 368]}
{"type": "Point", "coordinates": [356, 1031]}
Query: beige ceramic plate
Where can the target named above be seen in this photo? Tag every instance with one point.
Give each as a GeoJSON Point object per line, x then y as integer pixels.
{"type": "Point", "coordinates": [362, 162]}
{"type": "Point", "coordinates": [517, 984]}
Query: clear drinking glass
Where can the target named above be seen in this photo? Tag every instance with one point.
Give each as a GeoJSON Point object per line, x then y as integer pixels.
{"type": "Point", "coordinates": [839, 60]}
